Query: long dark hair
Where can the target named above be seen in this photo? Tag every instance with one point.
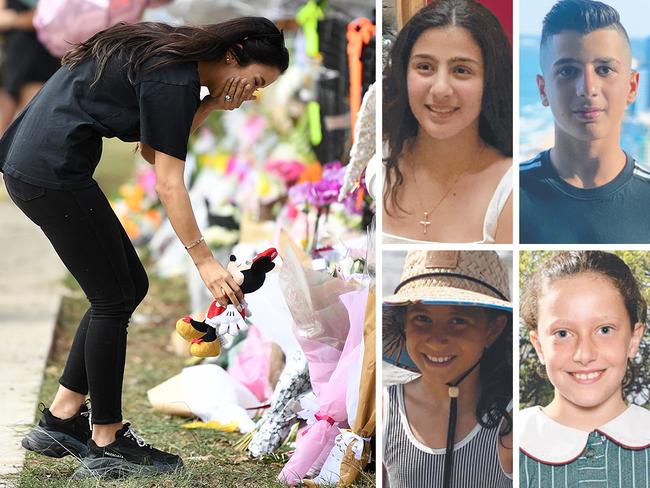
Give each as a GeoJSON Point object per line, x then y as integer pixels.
{"type": "Point", "coordinates": [250, 39]}
{"type": "Point", "coordinates": [495, 120]}
{"type": "Point", "coordinates": [495, 373]}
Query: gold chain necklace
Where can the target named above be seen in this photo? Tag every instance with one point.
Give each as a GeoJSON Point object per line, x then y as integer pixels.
{"type": "Point", "coordinates": [425, 222]}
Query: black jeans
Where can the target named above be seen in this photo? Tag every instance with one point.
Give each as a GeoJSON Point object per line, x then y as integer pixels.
{"type": "Point", "coordinates": [93, 245]}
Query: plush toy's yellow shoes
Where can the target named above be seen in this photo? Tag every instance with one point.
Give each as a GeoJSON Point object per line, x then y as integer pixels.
{"type": "Point", "coordinates": [202, 349]}
{"type": "Point", "coordinates": [186, 331]}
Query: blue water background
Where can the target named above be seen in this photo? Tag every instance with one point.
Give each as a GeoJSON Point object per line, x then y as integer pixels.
{"type": "Point", "coordinates": [536, 121]}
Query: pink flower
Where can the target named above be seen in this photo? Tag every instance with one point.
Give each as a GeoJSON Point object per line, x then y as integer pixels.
{"type": "Point", "coordinates": [238, 166]}
{"type": "Point", "coordinates": [322, 193]}
{"type": "Point", "coordinates": [288, 170]}
{"type": "Point", "coordinates": [147, 179]}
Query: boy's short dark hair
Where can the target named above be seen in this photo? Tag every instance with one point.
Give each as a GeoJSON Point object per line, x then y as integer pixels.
{"type": "Point", "coordinates": [583, 16]}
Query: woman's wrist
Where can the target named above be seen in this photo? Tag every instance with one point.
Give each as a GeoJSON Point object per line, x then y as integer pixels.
{"type": "Point", "coordinates": [200, 253]}
{"type": "Point", "coordinates": [194, 243]}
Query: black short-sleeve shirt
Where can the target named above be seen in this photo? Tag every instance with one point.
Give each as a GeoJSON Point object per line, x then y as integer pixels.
{"type": "Point", "coordinates": [551, 211]}
{"type": "Point", "coordinates": [56, 142]}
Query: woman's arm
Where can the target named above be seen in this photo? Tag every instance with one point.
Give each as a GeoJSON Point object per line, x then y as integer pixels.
{"type": "Point", "coordinates": [147, 153]}
{"type": "Point", "coordinates": [504, 224]}
{"type": "Point", "coordinates": [12, 19]}
{"type": "Point", "coordinates": [174, 197]}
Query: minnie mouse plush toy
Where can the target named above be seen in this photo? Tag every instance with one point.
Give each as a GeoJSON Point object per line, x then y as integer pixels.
{"type": "Point", "coordinates": [206, 337]}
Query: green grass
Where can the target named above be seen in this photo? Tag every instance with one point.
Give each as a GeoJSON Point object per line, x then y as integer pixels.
{"type": "Point", "coordinates": [209, 456]}
{"type": "Point", "coordinates": [116, 165]}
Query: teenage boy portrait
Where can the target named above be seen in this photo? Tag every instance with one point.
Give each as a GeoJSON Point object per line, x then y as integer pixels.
{"type": "Point", "coordinates": [585, 189]}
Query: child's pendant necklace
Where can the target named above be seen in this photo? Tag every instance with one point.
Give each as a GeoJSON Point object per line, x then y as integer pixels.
{"type": "Point", "coordinates": [425, 222]}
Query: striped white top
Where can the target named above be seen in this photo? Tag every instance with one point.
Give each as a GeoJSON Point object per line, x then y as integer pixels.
{"type": "Point", "coordinates": [410, 464]}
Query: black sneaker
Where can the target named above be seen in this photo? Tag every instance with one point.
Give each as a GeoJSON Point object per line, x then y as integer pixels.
{"type": "Point", "coordinates": [57, 438]}
{"type": "Point", "coordinates": [128, 455]}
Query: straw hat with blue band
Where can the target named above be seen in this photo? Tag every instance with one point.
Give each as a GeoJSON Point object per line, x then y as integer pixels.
{"type": "Point", "coordinates": [461, 278]}
{"type": "Point", "coordinates": [465, 278]}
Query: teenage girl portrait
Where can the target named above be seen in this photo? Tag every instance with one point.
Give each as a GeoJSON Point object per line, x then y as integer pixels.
{"type": "Point", "coordinates": [447, 128]}
{"type": "Point", "coordinates": [141, 83]}
{"type": "Point", "coordinates": [450, 321]}
{"type": "Point", "coordinates": [585, 316]}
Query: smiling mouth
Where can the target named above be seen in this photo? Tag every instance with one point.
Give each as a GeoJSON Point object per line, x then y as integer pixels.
{"type": "Point", "coordinates": [587, 377]}
{"type": "Point", "coordinates": [441, 112]}
{"type": "Point", "coordinates": [438, 361]}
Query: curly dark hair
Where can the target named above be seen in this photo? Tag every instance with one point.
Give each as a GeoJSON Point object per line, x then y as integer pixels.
{"type": "Point", "coordinates": [495, 120]}
{"type": "Point", "coordinates": [569, 263]}
{"type": "Point", "coordinates": [495, 368]}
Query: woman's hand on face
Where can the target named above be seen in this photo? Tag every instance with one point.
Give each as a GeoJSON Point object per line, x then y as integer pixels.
{"type": "Point", "coordinates": [235, 92]}
{"type": "Point", "coordinates": [220, 283]}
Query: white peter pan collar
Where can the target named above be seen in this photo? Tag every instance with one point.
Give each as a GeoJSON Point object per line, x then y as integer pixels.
{"type": "Point", "coordinates": [549, 442]}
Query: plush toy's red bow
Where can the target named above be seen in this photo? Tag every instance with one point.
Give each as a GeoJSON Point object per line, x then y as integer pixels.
{"type": "Point", "coordinates": [270, 252]}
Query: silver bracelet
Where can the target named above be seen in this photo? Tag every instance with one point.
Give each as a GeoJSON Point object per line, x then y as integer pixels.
{"type": "Point", "coordinates": [195, 243]}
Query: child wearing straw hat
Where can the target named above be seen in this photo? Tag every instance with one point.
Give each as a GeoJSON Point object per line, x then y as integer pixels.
{"type": "Point", "coordinates": [450, 320]}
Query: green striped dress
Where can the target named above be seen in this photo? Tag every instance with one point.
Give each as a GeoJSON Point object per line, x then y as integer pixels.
{"type": "Point", "coordinates": [616, 455]}
{"type": "Point", "coordinates": [603, 464]}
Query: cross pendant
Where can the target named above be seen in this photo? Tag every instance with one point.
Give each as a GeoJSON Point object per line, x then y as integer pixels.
{"type": "Point", "coordinates": [425, 222]}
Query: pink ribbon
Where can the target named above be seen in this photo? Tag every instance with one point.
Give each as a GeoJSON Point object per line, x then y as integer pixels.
{"type": "Point", "coordinates": [320, 416]}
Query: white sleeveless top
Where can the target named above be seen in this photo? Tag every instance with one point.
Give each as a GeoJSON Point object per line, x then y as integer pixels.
{"type": "Point", "coordinates": [494, 209]}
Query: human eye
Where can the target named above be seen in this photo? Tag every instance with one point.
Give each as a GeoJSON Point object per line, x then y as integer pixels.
{"type": "Point", "coordinates": [561, 334]}
{"type": "Point", "coordinates": [606, 330]}
{"type": "Point", "coordinates": [422, 66]}
{"type": "Point", "coordinates": [420, 318]}
{"type": "Point", "coordinates": [604, 70]}
{"type": "Point", "coordinates": [458, 321]}
{"type": "Point", "coordinates": [567, 71]}
{"type": "Point", "coordinates": [463, 71]}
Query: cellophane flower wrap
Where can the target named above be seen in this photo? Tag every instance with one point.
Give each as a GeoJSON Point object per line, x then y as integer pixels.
{"type": "Point", "coordinates": [328, 317]}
